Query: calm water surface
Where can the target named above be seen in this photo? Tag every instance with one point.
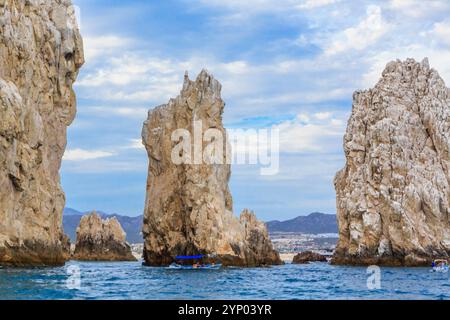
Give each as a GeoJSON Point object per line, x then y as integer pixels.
{"type": "Point", "coordinates": [133, 281]}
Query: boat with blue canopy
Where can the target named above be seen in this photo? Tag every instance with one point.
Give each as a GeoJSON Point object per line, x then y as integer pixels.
{"type": "Point", "coordinates": [193, 263]}
{"type": "Point", "coordinates": [440, 265]}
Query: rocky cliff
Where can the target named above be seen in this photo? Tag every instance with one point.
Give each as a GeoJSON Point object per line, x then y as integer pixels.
{"type": "Point", "coordinates": [188, 209]}
{"type": "Point", "coordinates": [40, 54]}
{"type": "Point", "coordinates": [307, 257]}
{"type": "Point", "coordinates": [393, 194]}
{"type": "Point", "coordinates": [131, 225]}
{"type": "Point", "coordinates": [101, 240]}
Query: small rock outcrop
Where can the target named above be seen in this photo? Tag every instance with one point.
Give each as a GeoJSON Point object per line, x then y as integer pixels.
{"type": "Point", "coordinates": [101, 240]}
{"type": "Point", "coordinates": [188, 209]}
{"type": "Point", "coordinates": [393, 194]}
{"type": "Point", "coordinates": [307, 257]}
{"type": "Point", "coordinates": [40, 53]}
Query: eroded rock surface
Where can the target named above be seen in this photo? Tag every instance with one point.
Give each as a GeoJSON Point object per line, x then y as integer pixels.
{"type": "Point", "coordinates": [40, 54]}
{"type": "Point", "coordinates": [188, 208]}
{"type": "Point", "coordinates": [307, 257]}
{"type": "Point", "coordinates": [393, 194]}
{"type": "Point", "coordinates": [101, 240]}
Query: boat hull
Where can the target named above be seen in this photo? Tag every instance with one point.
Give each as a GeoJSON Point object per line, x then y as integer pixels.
{"type": "Point", "coordinates": [205, 267]}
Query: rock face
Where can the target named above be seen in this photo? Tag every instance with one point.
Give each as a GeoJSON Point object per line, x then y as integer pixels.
{"type": "Point", "coordinates": [308, 256]}
{"type": "Point", "coordinates": [393, 194]}
{"type": "Point", "coordinates": [40, 54]}
{"type": "Point", "coordinates": [101, 240]}
{"type": "Point", "coordinates": [188, 209]}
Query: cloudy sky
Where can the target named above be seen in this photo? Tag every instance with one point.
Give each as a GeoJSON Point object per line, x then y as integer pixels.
{"type": "Point", "coordinates": [292, 64]}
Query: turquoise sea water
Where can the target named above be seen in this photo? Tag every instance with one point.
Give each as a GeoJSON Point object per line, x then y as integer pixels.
{"type": "Point", "coordinates": [133, 281]}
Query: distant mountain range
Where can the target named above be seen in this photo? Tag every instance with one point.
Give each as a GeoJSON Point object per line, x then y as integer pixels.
{"type": "Point", "coordinates": [315, 223]}
{"type": "Point", "coordinates": [131, 225]}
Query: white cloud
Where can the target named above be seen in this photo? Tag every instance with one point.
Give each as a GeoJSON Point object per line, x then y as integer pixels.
{"type": "Point", "coordinates": [106, 165]}
{"type": "Point", "coordinates": [304, 96]}
{"type": "Point", "coordinates": [366, 33]}
{"type": "Point", "coordinates": [130, 68]}
{"type": "Point", "coordinates": [132, 112]}
{"type": "Point", "coordinates": [107, 111]}
{"type": "Point", "coordinates": [441, 31]}
{"type": "Point", "coordinates": [302, 41]}
{"type": "Point", "coordinates": [312, 4]}
{"type": "Point", "coordinates": [236, 67]}
{"type": "Point", "coordinates": [136, 144]}
{"type": "Point", "coordinates": [133, 78]}
{"type": "Point", "coordinates": [82, 155]}
{"type": "Point", "coordinates": [319, 132]}
{"type": "Point", "coordinates": [323, 115]}
{"type": "Point", "coordinates": [238, 13]}
{"type": "Point", "coordinates": [253, 7]}
{"type": "Point", "coordinates": [99, 46]}
{"type": "Point", "coordinates": [419, 8]}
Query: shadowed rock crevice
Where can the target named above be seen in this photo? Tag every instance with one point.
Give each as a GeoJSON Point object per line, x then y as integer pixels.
{"type": "Point", "coordinates": [393, 194]}
{"type": "Point", "coordinates": [188, 208]}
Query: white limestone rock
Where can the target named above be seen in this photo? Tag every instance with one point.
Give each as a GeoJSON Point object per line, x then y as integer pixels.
{"type": "Point", "coordinates": [393, 194]}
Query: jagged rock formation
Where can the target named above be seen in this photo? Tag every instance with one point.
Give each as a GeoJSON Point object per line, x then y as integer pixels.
{"type": "Point", "coordinates": [40, 54]}
{"type": "Point", "coordinates": [188, 208]}
{"type": "Point", "coordinates": [307, 257]}
{"type": "Point", "coordinates": [101, 240]}
{"type": "Point", "coordinates": [393, 194]}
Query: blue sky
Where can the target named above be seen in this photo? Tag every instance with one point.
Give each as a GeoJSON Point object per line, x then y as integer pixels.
{"type": "Point", "coordinates": [289, 64]}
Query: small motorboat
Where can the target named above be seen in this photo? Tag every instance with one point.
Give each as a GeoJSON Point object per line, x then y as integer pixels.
{"type": "Point", "coordinates": [440, 265]}
{"type": "Point", "coordinates": [195, 267]}
{"type": "Point", "coordinates": [193, 263]}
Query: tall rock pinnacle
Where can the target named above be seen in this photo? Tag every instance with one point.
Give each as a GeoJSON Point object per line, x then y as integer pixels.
{"type": "Point", "coordinates": [40, 53]}
{"type": "Point", "coordinates": [188, 209]}
{"type": "Point", "coordinates": [393, 195]}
